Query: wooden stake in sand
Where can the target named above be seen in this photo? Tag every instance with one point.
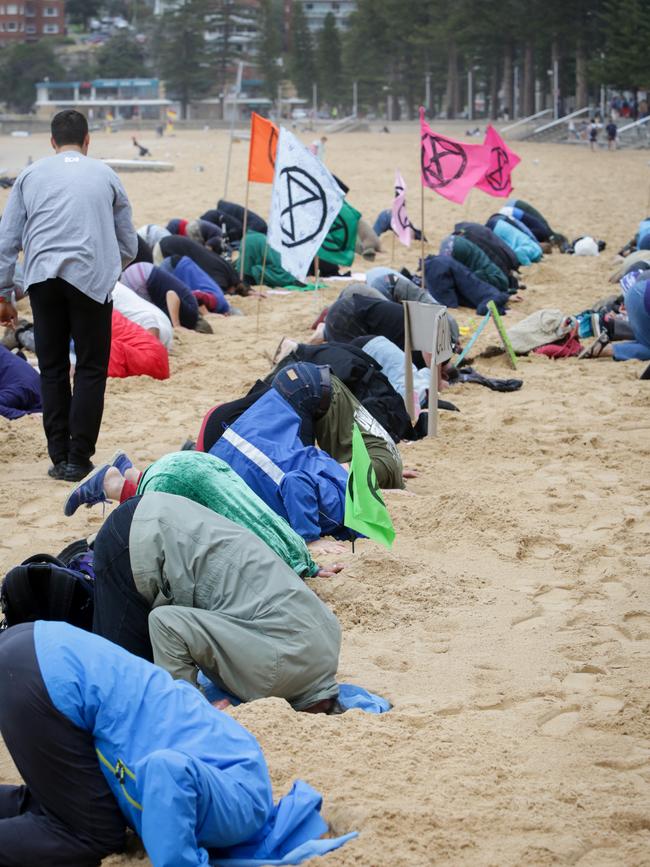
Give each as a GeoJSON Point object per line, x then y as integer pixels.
{"type": "Point", "coordinates": [426, 328]}
{"type": "Point", "coordinates": [259, 294]}
{"type": "Point", "coordinates": [422, 228]}
{"type": "Point", "coordinates": [242, 253]}
{"type": "Point", "coordinates": [503, 334]}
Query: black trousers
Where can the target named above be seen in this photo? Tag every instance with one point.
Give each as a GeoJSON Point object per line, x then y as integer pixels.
{"type": "Point", "coordinates": [65, 815]}
{"type": "Point", "coordinates": [121, 614]}
{"type": "Point", "coordinates": [71, 418]}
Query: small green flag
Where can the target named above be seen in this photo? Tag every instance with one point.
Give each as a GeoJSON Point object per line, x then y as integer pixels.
{"type": "Point", "coordinates": [341, 240]}
{"type": "Point", "coordinates": [365, 510]}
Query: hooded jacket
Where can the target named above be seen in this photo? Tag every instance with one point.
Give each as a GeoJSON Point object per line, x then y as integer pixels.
{"type": "Point", "coordinates": [189, 779]}
{"type": "Point", "coordinates": [225, 604]}
{"type": "Point", "coordinates": [212, 483]}
{"type": "Point", "coordinates": [302, 484]}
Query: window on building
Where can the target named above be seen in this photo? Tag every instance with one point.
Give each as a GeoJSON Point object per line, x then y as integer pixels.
{"type": "Point", "coordinates": [30, 11]}
{"type": "Point", "coordinates": [12, 9]}
{"type": "Point", "coordinates": [50, 28]}
{"type": "Point", "coordinates": [336, 6]}
{"type": "Point", "coordinates": [30, 28]}
{"type": "Point", "coordinates": [12, 26]}
{"type": "Point", "coordinates": [50, 12]}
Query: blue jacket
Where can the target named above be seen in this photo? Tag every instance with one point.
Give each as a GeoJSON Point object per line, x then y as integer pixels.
{"type": "Point", "coordinates": [20, 386]}
{"type": "Point", "coordinates": [452, 284]}
{"type": "Point", "coordinates": [527, 250]}
{"type": "Point", "coordinates": [302, 484]}
{"type": "Point", "coordinates": [186, 776]}
{"type": "Point", "coordinates": [643, 235]}
{"type": "Point", "coordinates": [188, 272]}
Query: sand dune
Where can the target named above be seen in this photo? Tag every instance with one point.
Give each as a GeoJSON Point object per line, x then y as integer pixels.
{"type": "Point", "coordinates": [510, 625]}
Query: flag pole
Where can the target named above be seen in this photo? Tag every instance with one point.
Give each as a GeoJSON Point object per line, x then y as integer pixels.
{"type": "Point", "coordinates": [244, 228]}
{"type": "Point", "coordinates": [259, 293]}
{"type": "Point", "coordinates": [422, 228]}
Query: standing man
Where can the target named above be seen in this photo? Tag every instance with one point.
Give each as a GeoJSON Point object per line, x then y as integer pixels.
{"type": "Point", "coordinates": [71, 217]}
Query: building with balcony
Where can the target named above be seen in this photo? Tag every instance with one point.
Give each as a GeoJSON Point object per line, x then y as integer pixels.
{"type": "Point", "coordinates": [31, 20]}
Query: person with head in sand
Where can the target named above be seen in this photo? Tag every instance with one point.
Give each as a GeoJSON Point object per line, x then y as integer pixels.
{"type": "Point", "coordinates": [637, 307]}
{"type": "Point", "coordinates": [206, 480]}
{"type": "Point", "coordinates": [71, 217]}
{"type": "Point", "coordinates": [104, 740]}
{"type": "Point", "coordinates": [179, 585]}
{"type": "Point", "coordinates": [329, 411]}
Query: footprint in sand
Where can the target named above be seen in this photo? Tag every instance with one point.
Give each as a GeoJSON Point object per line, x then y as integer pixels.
{"type": "Point", "coordinates": [558, 723]}
{"type": "Point", "coordinates": [637, 624]}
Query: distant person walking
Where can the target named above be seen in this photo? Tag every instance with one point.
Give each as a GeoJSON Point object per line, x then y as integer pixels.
{"type": "Point", "coordinates": [593, 135]}
{"type": "Point", "coordinates": [612, 135]}
{"type": "Point", "coordinates": [71, 217]}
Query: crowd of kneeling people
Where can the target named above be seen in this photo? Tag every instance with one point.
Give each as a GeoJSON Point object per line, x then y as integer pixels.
{"type": "Point", "coordinates": [200, 575]}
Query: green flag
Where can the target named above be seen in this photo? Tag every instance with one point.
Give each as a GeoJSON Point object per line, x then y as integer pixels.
{"type": "Point", "coordinates": [341, 240]}
{"type": "Point", "coordinates": [365, 510]}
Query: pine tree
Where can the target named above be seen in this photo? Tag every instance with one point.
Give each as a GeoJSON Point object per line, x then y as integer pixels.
{"type": "Point", "coordinates": [269, 46]}
{"type": "Point", "coordinates": [301, 56]}
{"type": "Point", "coordinates": [121, 57]}
{"type": "Point", "coordinates": [184, 58]}
{"type": "Point", "coordinates": [329, 61]}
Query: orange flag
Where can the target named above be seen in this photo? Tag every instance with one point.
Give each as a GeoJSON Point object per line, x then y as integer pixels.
{"type": "Point", "coordinates": [261, 156]}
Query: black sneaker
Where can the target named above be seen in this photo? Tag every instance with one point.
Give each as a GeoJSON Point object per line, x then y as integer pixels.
{"type": "Point", "coordinates": [58, 470]}
{"type": "Point", "coordinates": [77, 472]}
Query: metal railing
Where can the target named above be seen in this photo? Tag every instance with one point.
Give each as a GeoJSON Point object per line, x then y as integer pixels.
{"type": "Point", "coordinates": [525, 120]}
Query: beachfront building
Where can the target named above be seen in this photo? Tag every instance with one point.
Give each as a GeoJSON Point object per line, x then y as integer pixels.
{"type": "Point", "coordinates": [31, 20]}
{"type": "Point", "coordinates": [316, 10]}
{"type": "Point", "coordinates": [105, 98]}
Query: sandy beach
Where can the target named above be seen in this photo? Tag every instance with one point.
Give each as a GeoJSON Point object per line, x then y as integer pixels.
{"type": "Point", "coordinates": [510, 624]}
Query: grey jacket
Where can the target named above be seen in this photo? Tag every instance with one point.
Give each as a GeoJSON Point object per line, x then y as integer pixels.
{"type": "Point", "coordinates": [225, 603]}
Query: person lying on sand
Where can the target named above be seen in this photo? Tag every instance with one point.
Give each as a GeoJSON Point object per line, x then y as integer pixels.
{"type": "Point", "coordinates": [104, 740]}
{"type": "Point", "coordinates": [164, 290]}
{"type": "Point", "coordinates": [184, 587]}
{"type": "Point", "coordinates": [206, 480]}
{"type": "Point", "coordinates": [637, 306]}
{"type": "Point", "coordinates": [328, 413]}
{"type": "Point", "coordinates": [142, 150]}
{"type": "Point", "coordinates": [258, 436]}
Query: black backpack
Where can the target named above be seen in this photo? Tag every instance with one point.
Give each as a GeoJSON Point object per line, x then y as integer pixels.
{"type": "Point", "coordinates": [44, 588]}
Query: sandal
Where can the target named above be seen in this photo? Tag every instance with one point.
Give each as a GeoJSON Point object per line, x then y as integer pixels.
{"type": "Point", "coordinates": [596, 348]}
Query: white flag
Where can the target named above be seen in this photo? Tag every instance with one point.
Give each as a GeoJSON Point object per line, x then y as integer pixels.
{"type": "Point", "coordinates": [305, 202]}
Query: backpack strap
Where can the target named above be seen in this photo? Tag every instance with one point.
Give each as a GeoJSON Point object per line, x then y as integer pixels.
{"type": "Point", "coordinates": [60, 592]}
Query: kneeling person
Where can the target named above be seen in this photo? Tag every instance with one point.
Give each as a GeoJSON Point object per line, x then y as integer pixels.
{"type": "Point", "coordinates": [103, 740]}
{"type": "Point", "coordinates": [188, 589]}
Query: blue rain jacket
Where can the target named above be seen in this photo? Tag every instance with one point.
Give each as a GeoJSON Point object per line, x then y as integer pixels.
{"type": "Point", "coordinates": [302, 484]}
{"type": "Point", "coordinates": [186, 776]}
{"type": "Point", "coordinates": [527, 250]}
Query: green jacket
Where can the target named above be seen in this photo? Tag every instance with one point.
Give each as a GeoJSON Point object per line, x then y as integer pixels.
{"type": "Point", "coordinates": [274, 274]}
{"type": "Point", "coordinates": [209, 481]}
{"type": "Point", "coordinates": [470, 254]}
{"type": "Point", "coordinates": [334, 435]}
{"type": "Point", "coordinates": [225, 604]}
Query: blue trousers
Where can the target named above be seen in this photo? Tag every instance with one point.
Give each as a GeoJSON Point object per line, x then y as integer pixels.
{"type": "Point", "coordinates": [638, 349]}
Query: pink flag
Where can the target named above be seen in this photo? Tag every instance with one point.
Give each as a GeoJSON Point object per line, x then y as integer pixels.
{"type": "Point", "coordinates": [450, 167]}
{"type": "Point", "coordinates": [399, 221]}
{"type": "Point", "coordinates": [498, 180]}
